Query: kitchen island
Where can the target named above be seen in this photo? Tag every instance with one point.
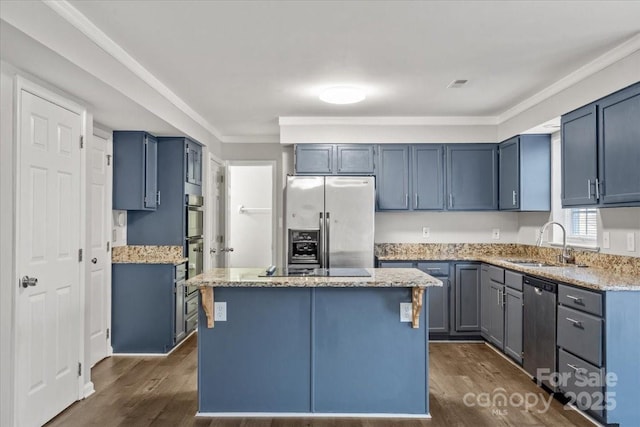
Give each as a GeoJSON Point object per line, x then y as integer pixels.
{"type": "Point", "coordinates": [305, 346]}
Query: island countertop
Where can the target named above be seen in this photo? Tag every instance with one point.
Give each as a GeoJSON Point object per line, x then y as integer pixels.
{"type": "Point", "coordinates": [251, 277]}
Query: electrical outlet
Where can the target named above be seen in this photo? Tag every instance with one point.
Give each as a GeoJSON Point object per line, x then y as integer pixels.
{"type": "Point", "coordinates": [495, 233]}
{"type": "Point", "coordinates": [631, 242]}
{"type": "Point", "coordinates": [426, 232]}
{"type": "Point", "coordinates": [220, 311]}
{"type": "Point", "coordinates": [406, 311]}
{"type": "Point", "coordinates": [606, 240]}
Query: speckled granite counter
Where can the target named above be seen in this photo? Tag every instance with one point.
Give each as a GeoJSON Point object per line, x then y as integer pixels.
{"type": "Point", "coordinates": [139, 254]}
{"type": "Point", "coordinates": [604, 272]}
{"type": "Point", "coordinates": [380, 277]}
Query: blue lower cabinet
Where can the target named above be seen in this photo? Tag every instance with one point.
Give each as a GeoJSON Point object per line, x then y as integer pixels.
{"type": "Point", "coordinates": [313, 350]}
{"type": "Point", "coordinates": [143, 309]}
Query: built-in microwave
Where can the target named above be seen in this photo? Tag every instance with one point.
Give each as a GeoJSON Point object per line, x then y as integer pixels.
{"type": "Point", "coordinates": [195, 216]}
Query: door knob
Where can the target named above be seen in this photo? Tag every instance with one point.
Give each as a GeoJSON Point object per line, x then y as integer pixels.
{"type": "Point", "coordinates": [226, 250]}
{"type": "Point", "coordinates": [94, 260]}
{"type": "Point", "coordinates": [212, 251]}
{"type": "Point", "coordinates": [27, 281]}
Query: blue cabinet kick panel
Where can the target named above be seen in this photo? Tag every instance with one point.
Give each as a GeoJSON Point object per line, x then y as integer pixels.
{"type": "Point", "coordinates": [313, 350]}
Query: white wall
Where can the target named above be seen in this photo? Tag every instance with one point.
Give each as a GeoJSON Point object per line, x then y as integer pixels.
{"type": "Point", "coordinates": [445, 227]}
{"type": "Point", "coordinates": [7, 252]}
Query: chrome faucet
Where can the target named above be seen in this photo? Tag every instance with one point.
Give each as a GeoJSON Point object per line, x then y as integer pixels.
{"type": "Point", "coordinates": [567, 256]}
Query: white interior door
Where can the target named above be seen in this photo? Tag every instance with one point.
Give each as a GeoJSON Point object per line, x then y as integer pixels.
{"type": "Point", "coordinates": [215, 215]}
{"type": "Point", "coordinates": [48, 318]}
{"type": "Point", "coordinates": [250, 214]}
{"type": "Point", "coordinates": [99, 224]}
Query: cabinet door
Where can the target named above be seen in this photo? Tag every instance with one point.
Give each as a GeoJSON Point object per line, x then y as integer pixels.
{"type": "Point", "coordinates": [314, 159]}
{"type": "Point", "coordinates": [472, 177]}
{"type": "Point", "coordinates": [179, 315]}
{"type": "Point", "coordinates": [428, 177]}
{"type": "Point", "coordinates": [496, 314]}
{"type": "Point", "coordinates": [192, 161]}
{"type": "Point", "coordinates": [510, 174]}
{"type": "Point", "coordinates": [513, 324]}
{"type": "Point", "coordinates": [579, 157]}
{"type": "Point", "coordinates": [619, 139]}
{"type": "Point", "coordinates": [197, 166]}
{"type": "Point", "coordinates": [485, 291]}
{"type": "Point", "coordinates": [467, 298]}
{"type": "Point", "coordinates": [355, 159]}
{"type": "Point", "coordinates": [150, 172]}
{"type": "Point", "coordinates": [392, 182]}
{"type": "Point", "coordinates": [439, 307]}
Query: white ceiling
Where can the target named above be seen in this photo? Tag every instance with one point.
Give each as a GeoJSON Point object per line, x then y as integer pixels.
{"type": "Point", "coordinates": [242, 64]}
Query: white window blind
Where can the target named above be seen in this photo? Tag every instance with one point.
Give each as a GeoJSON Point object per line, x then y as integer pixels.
{"type": "Point", "coordinates": [581, 224]}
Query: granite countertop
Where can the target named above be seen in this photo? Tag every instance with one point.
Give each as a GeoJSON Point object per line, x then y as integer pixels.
{"type": "Point", "coordinates": [380, 277]}
{"type": "Point", "coordinates": [147, 254]}
{"type": "Point", "coordinates": [587, 277]}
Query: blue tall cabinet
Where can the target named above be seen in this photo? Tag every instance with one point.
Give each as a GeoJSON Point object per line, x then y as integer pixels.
{"type": "Point", "coordinates": [135, 173]}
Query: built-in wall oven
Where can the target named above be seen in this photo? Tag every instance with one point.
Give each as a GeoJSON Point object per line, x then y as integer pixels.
{"type": "Point", "coordinates": [194, 236]}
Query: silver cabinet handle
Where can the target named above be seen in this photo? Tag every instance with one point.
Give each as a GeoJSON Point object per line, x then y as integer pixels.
{"type": "Point", "coordinates": [575, 323]}
{"type": "Point", "coordinates": [406, 200]}
{"type": "Point", "coordinates": [589, 188]}
{"type": "Point", "coordinates": [513, 197]}
{"type": "Point", "coordinates": [27, 281]}
{"type": "Point", "coordinates": [575, 368]}
{"type": "Point", "coordinates": [450, 200]}
{"type": "Point", "coordinates": [416, 200]}
{"type": "Point", "coordinates": [158, 198]}
{"type": "Point", "coordinates": [577, 300]}
{"type": "Point", "coordinates": [597, 189]}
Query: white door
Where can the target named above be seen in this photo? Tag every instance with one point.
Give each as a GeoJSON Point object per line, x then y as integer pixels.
{"type": "Point", "coordinates": [215, 215]}
{"type": "Point", "coordinates": [99, 226]}
{"type": "Point", "coordinates": [48, 318]}
{"type": "Point", "coordinates": [250, 215]}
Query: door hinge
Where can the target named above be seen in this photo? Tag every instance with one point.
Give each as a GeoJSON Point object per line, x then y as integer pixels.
{"type": "Point", "coordinates": [81, 141]}
{"type": "Point", "coordinates": [108, 246]}
{"type": "Point", "coordinates": [108, 332]}
{"type": "Point", "coordinates": [79, 369]}
{"type": "Point", "coordinates": [220, 179]}
{"type": "Point", "coordinates": [79, 255]}
{"type": "Point", "coordinates": [108, 159]}
{"type": "Point", "coordinates": [220, 239]}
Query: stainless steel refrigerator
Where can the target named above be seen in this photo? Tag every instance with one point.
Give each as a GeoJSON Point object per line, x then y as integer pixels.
{"type": "Point", "coordinates": [329, 221]}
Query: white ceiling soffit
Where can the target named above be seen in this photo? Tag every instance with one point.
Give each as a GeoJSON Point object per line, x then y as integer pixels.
{"type": "Point", "coordinates": [246, 68]}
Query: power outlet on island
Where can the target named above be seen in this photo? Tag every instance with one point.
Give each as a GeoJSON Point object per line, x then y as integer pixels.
{"type": "Point", "coordinates": [406, 311]}
{"type": "Point", "coordinates": [220, 312]}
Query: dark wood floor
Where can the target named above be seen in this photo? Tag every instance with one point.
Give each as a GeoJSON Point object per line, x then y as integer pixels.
{"type": "Point", "coordinates": [161, 391]}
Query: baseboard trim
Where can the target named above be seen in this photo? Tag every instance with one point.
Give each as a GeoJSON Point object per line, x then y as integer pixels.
{"type": "Point", "coordinates": [88, 390]}
{"type": "Point", "coordinates": [306, 415]}
{"type": "Point", "coordinates": [154, 354]}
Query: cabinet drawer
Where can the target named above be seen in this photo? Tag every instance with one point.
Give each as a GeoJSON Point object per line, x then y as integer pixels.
{"type": "Point", "coordinates": [396, 264]}
{"type": "Point", "coordinates": [180, 272]}
{"type": "Point", "coordinates": [581, 334]}
{"type": "Point", "coordinates": [434, 268]}
{"type": "Point", "coordinates": [191, 306]}
{"type": "Point", "coordinates": [580, 299]}
{"type": "Point", "coordinates": [513, 280]}
{"type": "Point", "coordinates": [192, 322]}
{"type": "Point", "coordinates": [578, 379]}
{"type": "Point", "coordinates": [496, 274]}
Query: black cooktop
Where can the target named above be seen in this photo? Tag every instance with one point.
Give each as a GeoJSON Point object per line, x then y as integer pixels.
{"type": "Point", "coordinates": [318, 272]}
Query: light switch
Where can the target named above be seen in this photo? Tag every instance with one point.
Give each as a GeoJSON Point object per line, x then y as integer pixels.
{"type": "Point", "coordinates": [406, 311]}
{"type": "Point", "coordinates": [220, 312]}
{"type": "Point", "coordinates": [426, 232]}
{"type": "Point", "coordinates": [495, 233]}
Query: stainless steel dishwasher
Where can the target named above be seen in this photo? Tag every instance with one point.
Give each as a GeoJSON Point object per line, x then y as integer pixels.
{"type": "Point", "coordinates": [539, 328]}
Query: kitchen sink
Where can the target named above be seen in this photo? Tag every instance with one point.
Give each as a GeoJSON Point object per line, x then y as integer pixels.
{"type": "Point", "coordinates": [530, 263]}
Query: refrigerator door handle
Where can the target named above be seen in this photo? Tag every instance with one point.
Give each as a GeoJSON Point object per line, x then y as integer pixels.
{"type": "Point", "coordinates": [321, 242]}
{"type": "Point", "coordinates": [327, 246]}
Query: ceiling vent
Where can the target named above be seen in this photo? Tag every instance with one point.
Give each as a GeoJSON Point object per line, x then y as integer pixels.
{"type": "Point", "coordinates": [457, 83]}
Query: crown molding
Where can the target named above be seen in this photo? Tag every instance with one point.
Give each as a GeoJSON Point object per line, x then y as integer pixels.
{"type": "Point", "coordinates": [251, 139]}
{"type": "Point", "coordinates": [389, 121]}
{"type": "Point", "coordinates": [616, 54]}
{"type": "Point", "coordinates": [74, 17]}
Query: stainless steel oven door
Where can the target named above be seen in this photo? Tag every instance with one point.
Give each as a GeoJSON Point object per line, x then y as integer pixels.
{"type": "Point", "coordinates": [195, 255]}
{"type": "Point", "coordinates": [195, 221]}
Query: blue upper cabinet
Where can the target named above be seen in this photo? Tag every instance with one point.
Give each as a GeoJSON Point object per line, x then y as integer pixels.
{"type": "Point", "coordinates": [472, 177]}
{"type": "Point", "coordinates": [579, 156]}
{"type": "Point", "coordinates": [427, 177]}
{"type": "Point", "coordinates": [334, 159]}
{"type": "Point", "coordinates": [601, 152]}
{"type": "Point", "coordinates": [392, 177]}
{"type": "Point", "coordinates": [314, 159]}
{"type": "Point", "coordinates": [355, 159]}
{"type": "Point", "coordinates": [525, 173]}
{"type": "Point", "coordinates": [193, 156]}
{"type": "Point", "coordinates": [619, 147]}
{"type": "Point", "coordinates": [135, 171]}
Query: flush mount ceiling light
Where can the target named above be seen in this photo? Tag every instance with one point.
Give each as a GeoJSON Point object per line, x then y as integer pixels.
{"type": "Point", "coordinates": [342, 94]}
